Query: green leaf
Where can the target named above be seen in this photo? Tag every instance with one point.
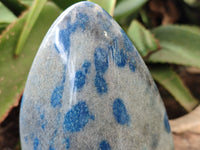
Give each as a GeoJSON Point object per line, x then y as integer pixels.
{"type": "Point", "coordinates": [179, 45]}
{"type": "Point", "coordinates": [15, 6]}
{"type": "Point", "coordinates": [32, 17]}
{"type": "Point", "coordinates": [145, 19]}
{"type": "Point", "coordinates": [126, 7]}
{"type": "Point", "coordinates": [27, 2]}
{"type": "Point", "coordinates": [119, 1]}
{"type": "Point", "coordinates": [6, 15]}
{"type": "Point", "coordinates": [193, 29]}
{"type": "Point", "coordinates": [3, 26]}
{"type": "Point", "coordinates": [193, 3]}
{"type": "Point", "coordinates": [173, 83]}
{"type": "Point", "coordinates": [63, 4]}
{"type": "Point", "coordinates": [142, 38]}
{"type": "Point", "coordinates": [108, 5]}
{"type": "Point", "coordinates": [13, 72]}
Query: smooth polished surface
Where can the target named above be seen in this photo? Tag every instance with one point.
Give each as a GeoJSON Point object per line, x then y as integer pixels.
{"type": "Point", "coordinates": [88, 89]}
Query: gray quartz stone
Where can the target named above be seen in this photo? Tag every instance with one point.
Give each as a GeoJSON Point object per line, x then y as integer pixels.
{"type": "Point", "coordinates": [89, 89]}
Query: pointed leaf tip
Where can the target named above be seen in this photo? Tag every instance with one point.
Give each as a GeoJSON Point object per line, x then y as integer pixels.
{"type": "Point", "coordinates": [173, 83]}
{"type": "Point", "coordinates": [143, 39]}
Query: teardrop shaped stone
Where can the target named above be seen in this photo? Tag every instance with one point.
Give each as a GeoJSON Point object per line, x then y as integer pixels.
{"type": "Point", "coordinates": [89, 89]}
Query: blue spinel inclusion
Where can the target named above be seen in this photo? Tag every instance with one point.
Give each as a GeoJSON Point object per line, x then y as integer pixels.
{"type": "Point", "coordinates": [120, 58]}
{"type": "Point", "coordinates": [101, 65]}
{"type": "Point", "coordinates": [62, 43]}
{"type": "Point", "coordinates": [101, 60]}
{"type": "Point", "coordinates": [120, 113]}
{"type": "Point", "coordinates": [119, 55]}
{"type": "Point", "coordinates": [36, 143]}
{"type": "Point", "coordinates": [57, 95]}
{"type": "Point", "coordinates": [132, 64]}
{"type": "Point", "coordinates": [67, 142]}
{"type": "Point", "coordinates": [58, 92]}
{"type": "Point", "coordinates": [77, 118]}
{"type": "Point", "coordinates": [100, 84]}
{"type": "Point", "coordinates": [86, 66]}
{"type": "Point", "coordinates": [79, 80]}
{"type": "Point", "coordinates": [80, 75]}
{"type": "Point", "coordinates": [104, 145]}
{"type": "Point", "coordinates": [166, 123]}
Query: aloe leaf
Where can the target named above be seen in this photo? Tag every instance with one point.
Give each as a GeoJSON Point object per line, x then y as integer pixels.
{"type": "Point", "coordinates": [126, 7]}
{"type": "Point", "coordinates": [190, 28]}
{"type": "Point", "coordinates": [3, 26]}
{"type": "Point", "coordinates": [108, 5]}
{"type": "Point", "coordinates": [13, 72]}
{"type": "Point", "coordinates": [15, 6]}
{"type": "Point", "coordinates": [142, 38]}
{"type": "Point", "coordinates": [63, 4]}
{"type": "Point", "coordinates": [31, 19]}
{"type": "Point", "coordinates": [119, 1]}
{"type": "Point", "coordinates": [6, 18]}
{"type": "Point", "coordinates": [193, 3]}
{"type": "Point", "coordinates": [179, 45]}
{"type": "Point", "coordinates": [6, 15]}
{"type": "Point", "coordinates": [173, 83]}
{"type": "Point", "coordinates": [27, 2]}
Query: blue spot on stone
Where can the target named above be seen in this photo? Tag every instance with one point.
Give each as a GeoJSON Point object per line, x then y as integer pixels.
{"type": "Point", "coordinates": [58, 118]}
{"type": "Point", "coordinates": [82, 20]}
{"type": "Point", "coordinates": [166, 122]}
{"type": "Point", "coordinates": [77, 118]}
{"type": "Point", "coordinates": [120, 58]}
{"type": "Point", "coordinates": [63, 42]}
{"type": "Point", "coordinates": [155, 141]}
{"type": "Point", "coordinates": [44, 125]}
{"type": "Point", "coordinates": [79, 80]}
{"type": "Point", "coordinates": [57, 95]}
{"type": "Point", "coordinates": [26, 139]}
{"type": "Point", "coordinates": [101, 60]}
{"type": "Point", "coordinates": [58, 92]}
{"type": "Point", "coordinates": [100, 83]}
{"type": "Point", "coordinates": [104, 145]}
{"type": "Point", "coordinates": [51, 148]}
{"type": "Point", "coordinates": [128, 45]}
{"type": "Point", "coordinates": [106, 23]}
{"type": "Point", "coordinates": [132, 64]}
{"type": "Point", "coordinates": [52, 139]}
{"type": "Point", "coordinates": [43, 122]}
{"type": "Point", "coordinates": [64, 37]}
{"type": "Point", "coordinates": [115, 44]}
{"type": "Point", "coordinates": [42, 116]}
{"type": "Point", "coordinates": [120, 113]}
{"type": "Point", "coordinates": [64, 74]}
{"type": "Point", "coordinates": [86, 66]}
{"type": "Point", "coordinates": [36, 144]}
{"type": "Point", "coordinates": [67, 142]}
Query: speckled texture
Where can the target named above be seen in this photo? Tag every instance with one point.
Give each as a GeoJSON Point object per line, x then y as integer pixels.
{"type": "Point", "coordinates": [88, 89]}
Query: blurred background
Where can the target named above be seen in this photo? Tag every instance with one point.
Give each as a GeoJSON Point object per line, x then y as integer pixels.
{"type": "Point", "coordinates": [165, 32]}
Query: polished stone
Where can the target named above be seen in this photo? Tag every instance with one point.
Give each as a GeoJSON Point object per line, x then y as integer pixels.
{"type": "Point", "coordinates": [89, 89]}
